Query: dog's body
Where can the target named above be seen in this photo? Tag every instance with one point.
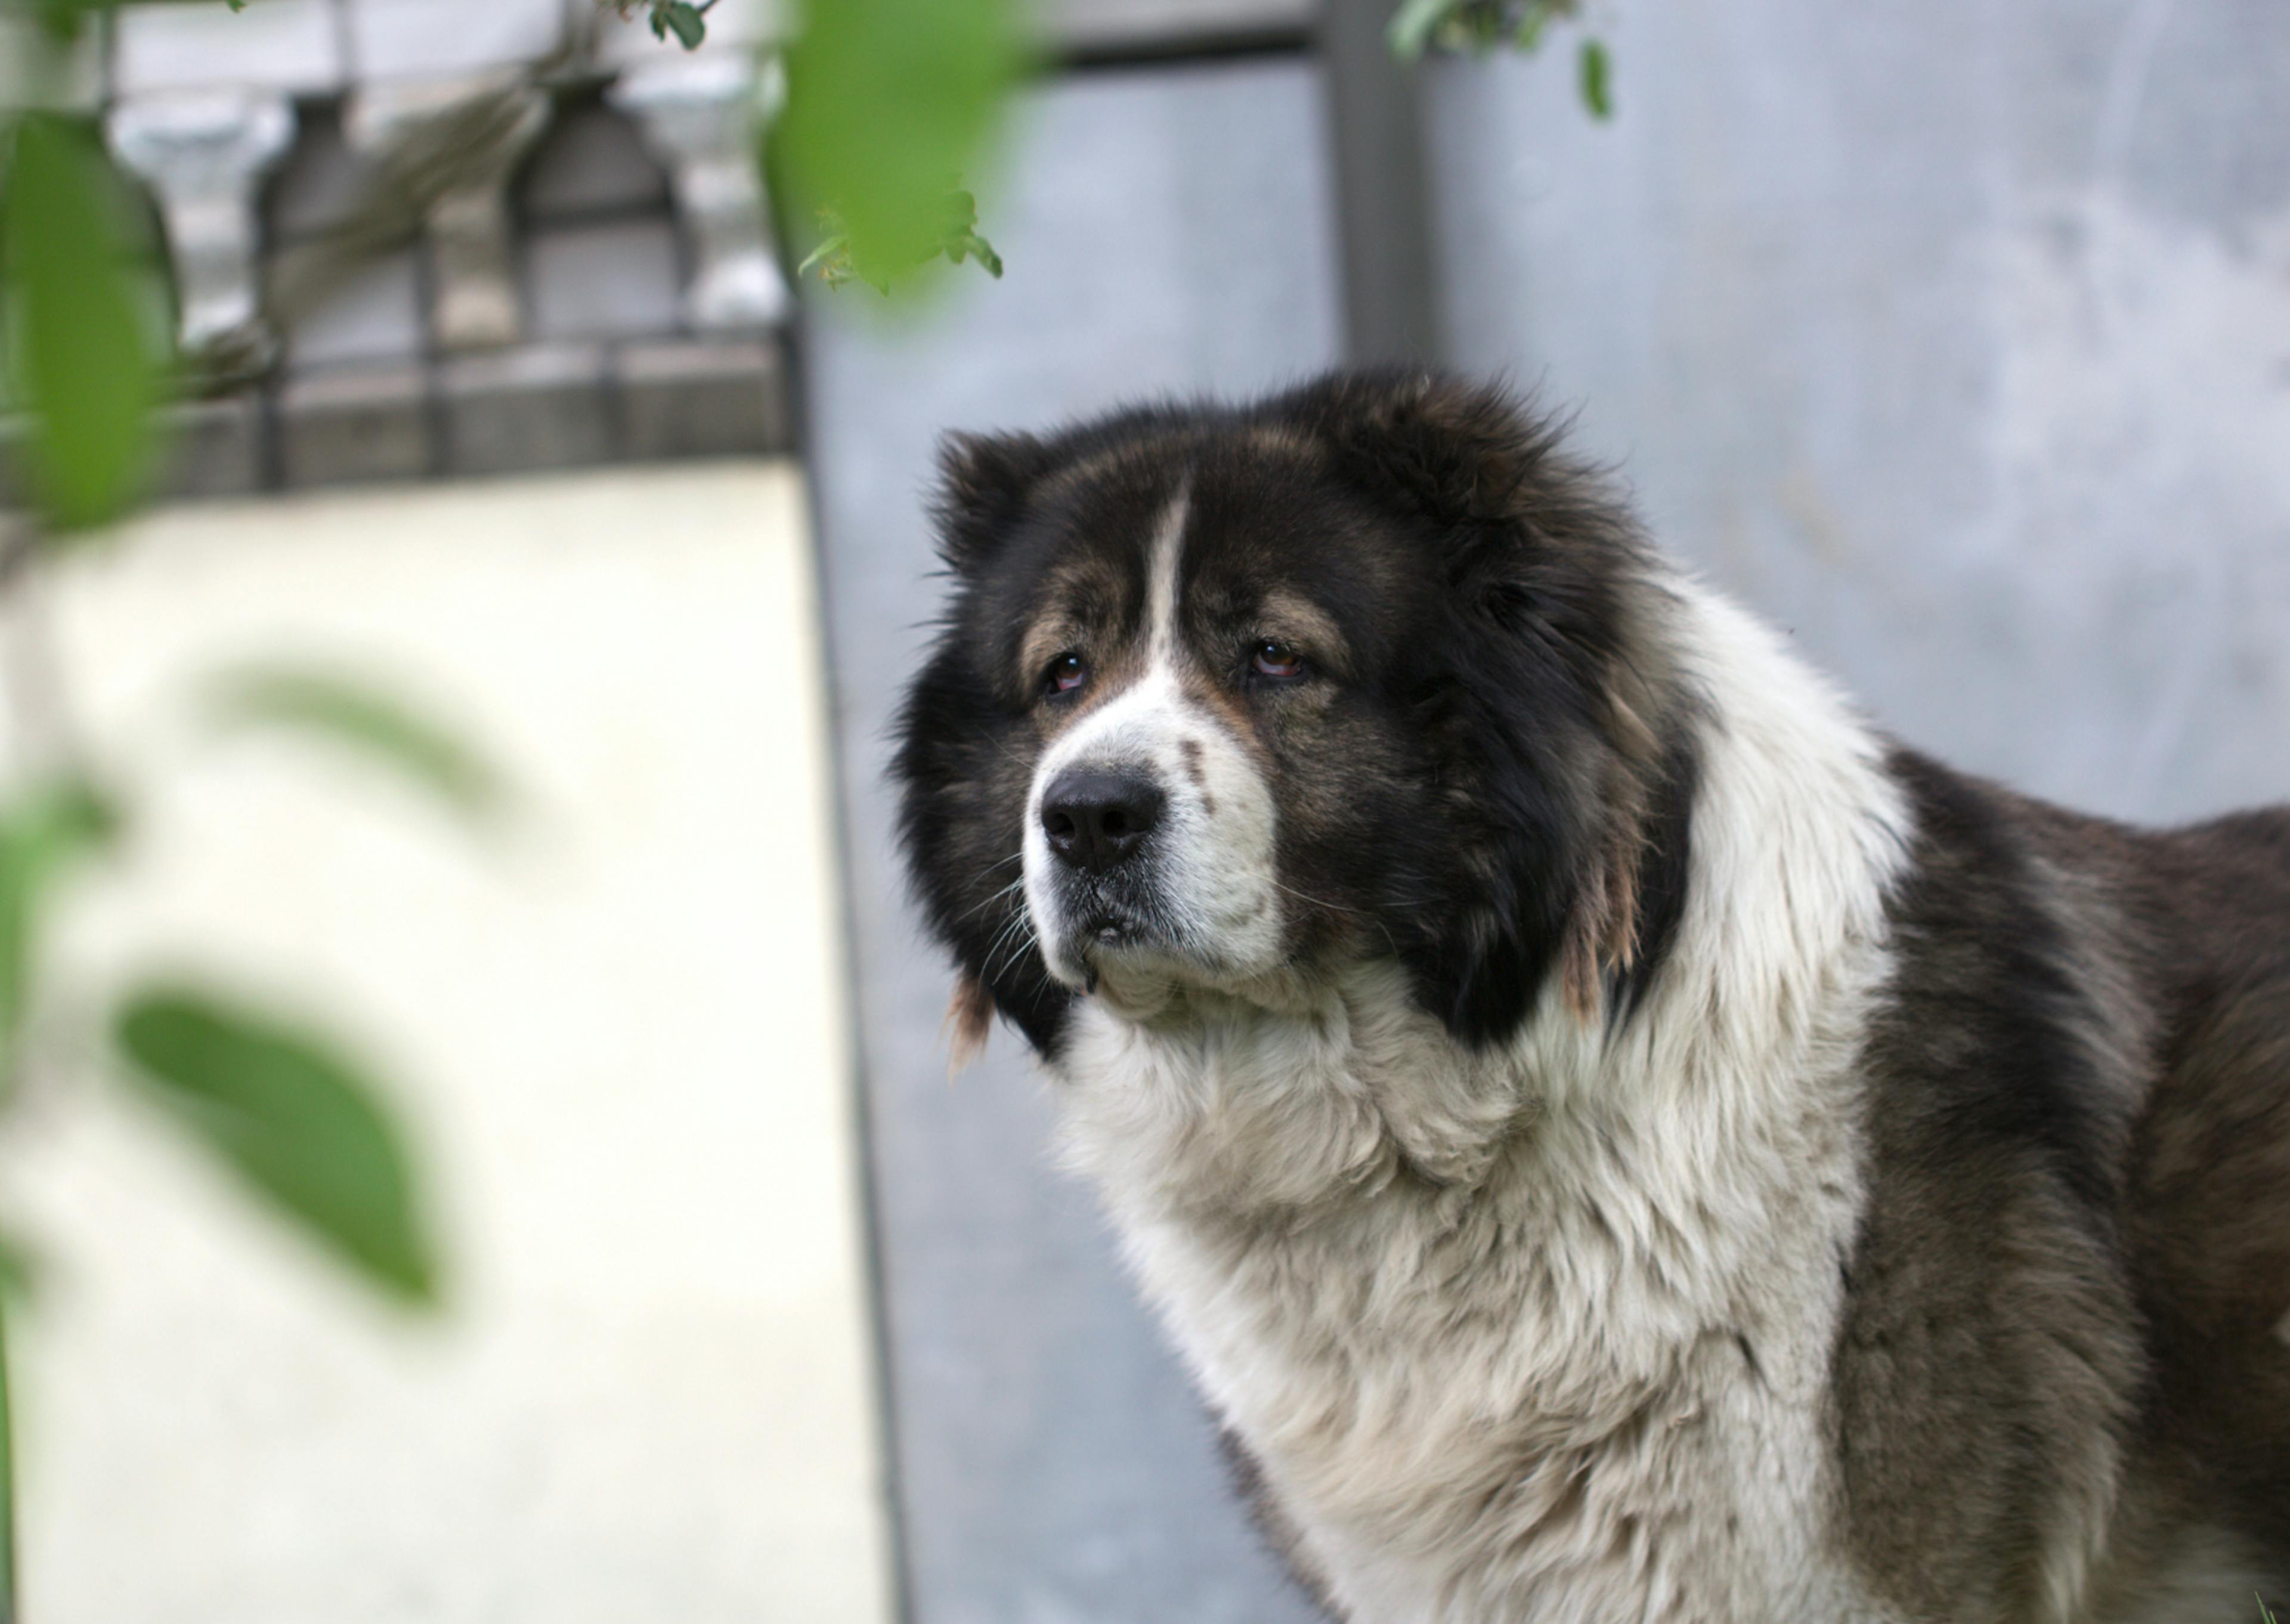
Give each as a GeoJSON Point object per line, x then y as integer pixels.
{"type": "Point", "coordinates": [1613, 1137]}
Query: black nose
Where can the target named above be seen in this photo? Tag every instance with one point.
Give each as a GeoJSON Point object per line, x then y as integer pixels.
{"type": "Point", "coordinates": [1097, 816]}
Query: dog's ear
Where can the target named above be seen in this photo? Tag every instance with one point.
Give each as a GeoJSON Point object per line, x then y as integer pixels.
{"type": "Point", "coordinates": [983, 483]}
{"type": "Point", "coordinates": [1551, 699]}
{"type": "Point", "coordinates": [1572, 866]}
{"type": "Point", "coordinates": [1501, 891]}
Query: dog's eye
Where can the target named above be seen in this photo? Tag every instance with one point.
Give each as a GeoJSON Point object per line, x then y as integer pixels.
{"type": "Point", "coordinates": [1067, 673]}
{"type": "Point", "coordinates": [1276, 658]}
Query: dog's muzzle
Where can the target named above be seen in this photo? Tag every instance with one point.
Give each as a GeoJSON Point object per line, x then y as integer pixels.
{"type": "Point", "coordinates": [1096, 819]}
{"type": "Point", "coordinates": [1102, 826]}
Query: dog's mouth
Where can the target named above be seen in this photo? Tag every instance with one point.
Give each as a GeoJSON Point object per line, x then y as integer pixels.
{"type": "Point", "coordinates": [1103, 933]}
{"type": "Point", "coordinates": [1108, 932]}
{"type": "Point", "coordinates": [1134, 935]}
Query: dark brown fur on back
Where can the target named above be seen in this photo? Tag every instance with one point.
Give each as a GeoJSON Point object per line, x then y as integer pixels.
{"type": "Point", "coordinates": [2209, 1172]}
{"type": "Point", "coordinates": [2063, 1308]}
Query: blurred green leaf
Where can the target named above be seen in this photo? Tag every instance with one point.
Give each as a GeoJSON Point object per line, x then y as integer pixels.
{"type": "Point", "coordinates": [39, 834]}
{"type": "Point", "coordinates": [1597, 80]}
{"type": "Point", "coordinates": [347, 710]}
{"type": "Point", "coordinates": [63, 19]}
{"type": "Point", "coordinates": [1414, 24]}
{"type": "Point", "coordinates": [20, 1268]}
{"type": "Point", "coordinates": [82, 361]}
{"type": "Point", "coordinates": [684, 21]}
{"type": "Point", "coordinates": [291, 1116]}
{"type": "Point", "coordinates": [889, 102]}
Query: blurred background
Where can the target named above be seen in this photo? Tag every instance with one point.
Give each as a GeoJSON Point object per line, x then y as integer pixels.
{"type": "Point", "coordinates": [1954, 339]}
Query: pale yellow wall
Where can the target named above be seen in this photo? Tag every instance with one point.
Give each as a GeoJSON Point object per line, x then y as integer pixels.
{"type": "Point", "coordinates": [616, 1029]}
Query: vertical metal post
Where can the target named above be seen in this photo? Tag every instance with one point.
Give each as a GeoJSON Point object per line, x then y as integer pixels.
{"type": "Point", "coordinates": [1382, 191]}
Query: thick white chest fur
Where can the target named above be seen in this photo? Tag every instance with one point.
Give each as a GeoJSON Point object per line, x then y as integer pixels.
{"type": "Point", "coordinates": [1543, 1333]}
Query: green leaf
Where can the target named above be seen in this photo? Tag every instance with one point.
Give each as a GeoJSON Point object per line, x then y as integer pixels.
{"type": "Point", "coordinates": [979, 249]}
{"type": "Point", "coordinates": [1597, 80]}
{"type": "Point", "coordinates": [21, 1269]}
{"type": "Point", "coordinates": [39, 834]}
{"type": "Point", "coordinates": [888, 102]}
{"type": "Point", "coordinates": [83, 359]}
{"type": "Point", "coordinates": [346, 710]}
{"type": "Point", "coordinates": [1413, 25]}
{"type": "Point", "coordinates": [684, 21]}
{"type": "Point", "coordinates": [292, 1118]}
{"type": "Point", "coordinates": [63, 20]}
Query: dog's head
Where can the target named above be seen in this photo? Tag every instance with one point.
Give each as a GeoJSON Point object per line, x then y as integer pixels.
{"type": "Point", "coordinates": [1227, 697]}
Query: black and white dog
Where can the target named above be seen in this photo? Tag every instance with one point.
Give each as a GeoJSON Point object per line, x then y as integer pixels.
{"type": "Point", "coordinates": [1615, 1136]}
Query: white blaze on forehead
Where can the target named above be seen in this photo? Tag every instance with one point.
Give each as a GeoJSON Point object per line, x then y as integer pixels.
{"type": "Point", "coordinates": [1108, 730]}
{"type": "Point", "coordinates": [1161, 582]}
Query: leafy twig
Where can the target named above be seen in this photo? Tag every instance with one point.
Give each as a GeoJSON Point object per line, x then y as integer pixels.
{"type": "Point", "coordinates": [1483, 26]}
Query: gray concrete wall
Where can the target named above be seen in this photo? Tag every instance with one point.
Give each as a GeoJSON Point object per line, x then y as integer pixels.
{"type": "Point", "coordinates": [1163, 230]}
{"type": "Point", "coordinates": [1954, 337]}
